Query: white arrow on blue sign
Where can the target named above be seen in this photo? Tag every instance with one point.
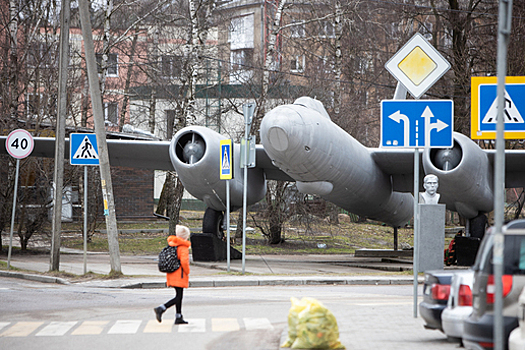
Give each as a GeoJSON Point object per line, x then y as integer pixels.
{"type": "Point", "coordinates": [417, 123]}
{"type": "Point", "coordinates": [83, 149]}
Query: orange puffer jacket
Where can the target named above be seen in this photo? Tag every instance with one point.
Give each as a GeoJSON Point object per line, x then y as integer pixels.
{"type": "Point", "coordinates": [180, 278]}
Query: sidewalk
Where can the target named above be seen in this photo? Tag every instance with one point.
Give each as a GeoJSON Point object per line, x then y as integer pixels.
{"type": "Point", "coordinates": [141, 271]}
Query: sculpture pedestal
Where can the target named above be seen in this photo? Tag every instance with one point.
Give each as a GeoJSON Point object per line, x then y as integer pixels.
{"type": "Point", "coordinates": [431, 237]}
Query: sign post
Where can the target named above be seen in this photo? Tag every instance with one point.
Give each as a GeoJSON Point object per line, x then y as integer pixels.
{"type": "Point", "coordinates": [226, 173]}
{"type": "Point", "coordinates": [19, 145]}
{"type": "Point", "coordinates": [83, 150]}
{"type": "Point", "coordinates": [416, 66]}
{"type": "Point", "coordinates": [248, 109]}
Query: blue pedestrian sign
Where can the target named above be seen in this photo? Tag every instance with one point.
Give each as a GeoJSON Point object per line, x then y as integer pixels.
{"type": "Point", "coordinates": [226, 160]}
{"type": "Point", "coordinates": [485, 107]}
{"type": "Point", "coordinates": [83, 149]}
{"type": "Point", "coordinates": [417, 123]}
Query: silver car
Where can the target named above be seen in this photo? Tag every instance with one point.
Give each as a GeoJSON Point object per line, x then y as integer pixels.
{"type": "Point", "coordinates": [478, 327]}
{"type": "Point", "coordinates": [459, 305]}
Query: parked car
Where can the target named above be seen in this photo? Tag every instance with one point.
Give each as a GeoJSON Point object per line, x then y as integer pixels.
{"type": "Point", "coordinates": [459, 305]}
{"type": "Point", "coordinates": [478, 327]}
{"type": "Point", "coordinates": [435, 296]}
{"type": "Point", "coordinates": [517, 336]}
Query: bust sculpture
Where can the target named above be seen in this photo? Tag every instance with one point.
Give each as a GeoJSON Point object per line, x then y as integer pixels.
{"type": "Point", "coordinates": [430, 196]}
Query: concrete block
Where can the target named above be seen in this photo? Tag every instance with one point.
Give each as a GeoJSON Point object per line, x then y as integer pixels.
{"type": "Point", "coordinates": [431, 237]}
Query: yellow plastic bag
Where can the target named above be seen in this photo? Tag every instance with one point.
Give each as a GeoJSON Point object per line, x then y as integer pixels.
{"type": "Point", "coordinates": [312, 326]}
{"type": "Point", "coordinates": [293, 319]}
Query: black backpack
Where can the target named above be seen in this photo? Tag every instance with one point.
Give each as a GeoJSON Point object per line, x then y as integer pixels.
{"type": "Point", "coordinates": [168, 259]}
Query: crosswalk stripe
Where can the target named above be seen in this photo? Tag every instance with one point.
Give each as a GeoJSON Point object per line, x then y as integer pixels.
{"type": "Point", "coordinates": [224, 325]}
{"type": "Point", "coordinates": [55, 329]}
{"type": "Point", "coordinates": [21, 329]}
{"type": "Point", "coordinates": [252, 324]}
{"type": "Point", "coordinates": [125, 327]}
{"type": "Point", "coordinates": [195, 325]}
{"type": "Point", "coordinates": [90, 328]}
{"type": "Point", "coordinates": [154, 327]}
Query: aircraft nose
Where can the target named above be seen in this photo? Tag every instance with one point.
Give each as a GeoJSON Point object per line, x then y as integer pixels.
{"type": "Point", "coordinates": [276, 128]}
{"type": "Point", "coordinates": [278, 138]}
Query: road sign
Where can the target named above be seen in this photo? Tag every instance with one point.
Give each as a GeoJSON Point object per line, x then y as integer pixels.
{"type": "Point", "coordinates": [83, 149]}
{"type": "Point", "coordinates": [251, 152]}
{"type": "Point", "coordinates": [226, 160]}
{"type": "Point", "coordinates": [417, 123]}
{"type": "Point", "coordinates": [19, 143]}
{"type": "Point", "coordinates": [418, 65]}
{"type": "Point", "coordinates": [484, 108]}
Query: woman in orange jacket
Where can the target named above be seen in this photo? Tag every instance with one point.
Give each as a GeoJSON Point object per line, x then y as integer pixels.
{"type": "Point", "coordinates": [179, 278]}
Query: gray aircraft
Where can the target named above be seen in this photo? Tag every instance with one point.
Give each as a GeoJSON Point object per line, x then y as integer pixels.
{"type": "Point", "coordinates": [300, 143]}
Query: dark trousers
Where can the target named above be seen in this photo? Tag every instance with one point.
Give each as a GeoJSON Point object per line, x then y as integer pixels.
{"type": "Point", "coordinates": [177, 301]}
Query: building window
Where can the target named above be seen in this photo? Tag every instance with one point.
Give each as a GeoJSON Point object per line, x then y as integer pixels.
{"type": "Point", "coordinates": [170, 66]}
{"type": "Point", "coordinates": [34, 104]}
{"type": "Point", "coordinates": [297, 29]}
{"type": "Point", "coordinates": [241, 59]}
{"type": "Point", "coordinates": [297, 64]}
{"type": "Point", "coordinates": [112, 67]}
{"type": "Point", "coordinates": [325, 65]}
{"type": "Point", "coordinates": [40, 55]}
{"type": "Point", "coordinates": [241, 32]}
{"type": "Point", "coordinates": [111, 113]}
{"type": "Point", "coordinates": [326, 29]}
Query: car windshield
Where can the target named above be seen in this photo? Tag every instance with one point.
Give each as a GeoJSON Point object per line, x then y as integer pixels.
{"type": "Point", "coordinates": [514, 256]}
{"type": "Point", "coordinates": [484, 252]}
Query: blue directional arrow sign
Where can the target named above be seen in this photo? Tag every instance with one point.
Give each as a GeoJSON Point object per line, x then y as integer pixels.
{"type": "Point", "coordinates": [417, 123]}
{"type": "Point", "coordinates": [83, 149]}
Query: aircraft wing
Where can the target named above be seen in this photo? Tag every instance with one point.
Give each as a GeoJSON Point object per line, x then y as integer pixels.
{"type": "Point", "coordinates": [399, 164]}
{"type": "Point", "coordinates": [127, 153]}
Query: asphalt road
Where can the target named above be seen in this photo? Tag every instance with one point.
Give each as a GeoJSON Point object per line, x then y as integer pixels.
{"type": "Point", "coordinates": [50, 316]}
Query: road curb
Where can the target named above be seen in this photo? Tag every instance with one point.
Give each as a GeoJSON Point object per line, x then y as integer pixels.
{"type": "Point", "coordinates": [31, 277]}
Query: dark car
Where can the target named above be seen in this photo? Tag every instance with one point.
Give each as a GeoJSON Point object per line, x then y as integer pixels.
{"type": "Point", "coordinates": [436, 291]}
{"type": "Point", "coordinates": [478, 327]}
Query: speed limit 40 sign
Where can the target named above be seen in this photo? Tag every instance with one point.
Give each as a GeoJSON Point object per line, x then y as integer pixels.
{"type": "Point", "coordinates": [19, 143]}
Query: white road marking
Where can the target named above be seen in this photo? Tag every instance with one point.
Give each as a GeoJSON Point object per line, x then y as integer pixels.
{"type": "Point", "coordinates": [154, 327]}
{"type": "Point", "coordinates": [125, 327]}
{"type": "Point", "coordinates": [56, 329]}
{"type": "Point", "coordinates": [21, 329]}
{"type": "Point", "coordinates": [195, 325]}
{"type": "Point", "coordinates": [90, 328]}
{"type": "Point", "coordinates": [252, 324]}
{"type": "Point", "coordinates": [224, 325]}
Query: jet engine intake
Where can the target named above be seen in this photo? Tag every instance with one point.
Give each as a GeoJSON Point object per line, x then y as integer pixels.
{"type": "Point", "coordinates": [465, 176]}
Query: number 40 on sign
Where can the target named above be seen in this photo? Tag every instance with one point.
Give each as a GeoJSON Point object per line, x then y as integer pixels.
{"type": "Point", "coordinates": [19, 144]}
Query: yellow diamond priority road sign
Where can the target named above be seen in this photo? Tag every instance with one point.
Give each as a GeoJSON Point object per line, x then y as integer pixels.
{"type": "Point", "coordinates": [418, 65]}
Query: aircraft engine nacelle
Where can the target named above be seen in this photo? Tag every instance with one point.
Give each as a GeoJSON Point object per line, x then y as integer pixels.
{"type": "Point", "coordinates": [195, 152]}
{"type": "Point", "coordinates": [465, 176]}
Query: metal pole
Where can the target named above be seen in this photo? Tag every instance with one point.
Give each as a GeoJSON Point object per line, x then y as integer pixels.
{"type": "Point", "coordinates": [58, 177]}
{"type": "Point", "coordinates": [13, 212]}
{"type": "Point", "coordinates": [244, 198]}
{"type": "Point", "coordinates": [228, 222]}
{"type": "Point", "coordinates": [85, 216]}
{"type": "Point", "coordinates": [505, 16]}
{"type": "Point", "coordinates": [100, 130]}
{"type": "Point", "coordinates": [415, 263]}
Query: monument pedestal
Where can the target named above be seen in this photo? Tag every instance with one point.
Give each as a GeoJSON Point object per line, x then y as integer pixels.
{"type": "Point", "coordinates": [431, 237]}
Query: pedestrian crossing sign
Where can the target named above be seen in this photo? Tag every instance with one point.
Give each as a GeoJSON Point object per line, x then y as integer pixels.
{"type": "Point", "coordinates": [83, 149]}
{"type": "Point", "coordinates": [484, 107]}
{"type": "Point", "coordinates": [226, 160]}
